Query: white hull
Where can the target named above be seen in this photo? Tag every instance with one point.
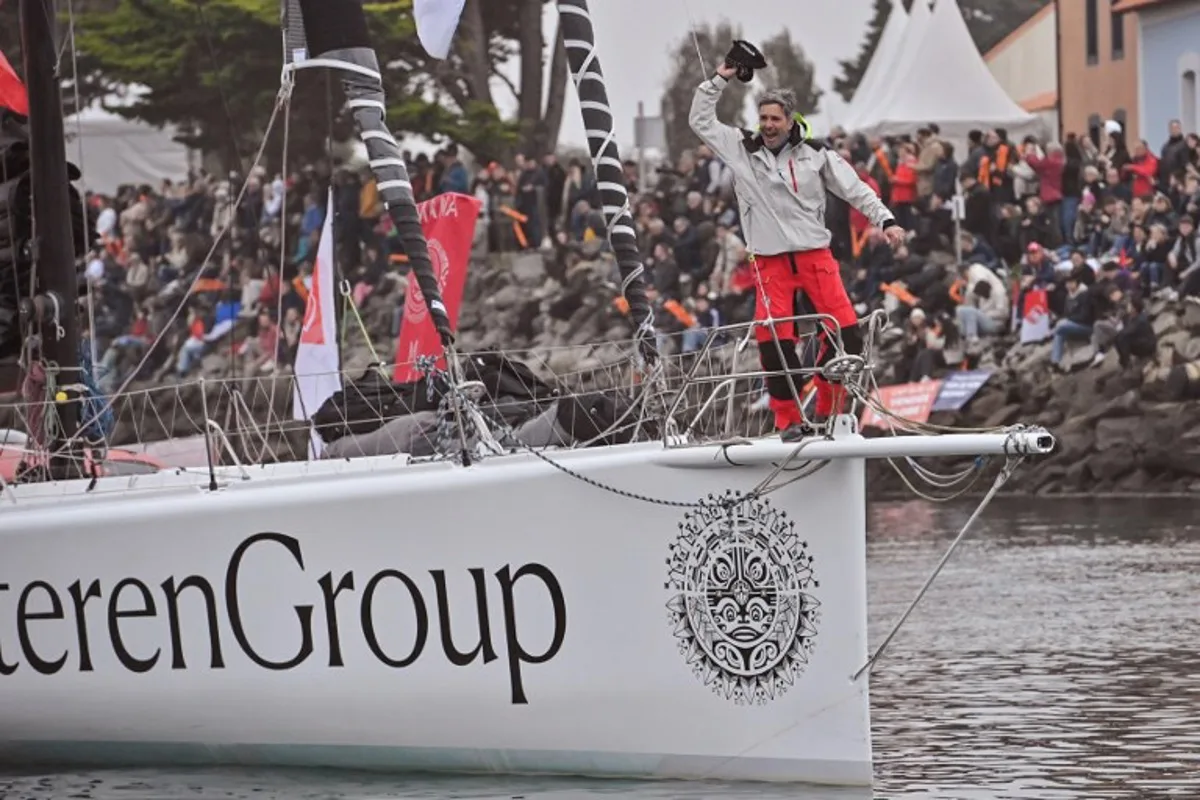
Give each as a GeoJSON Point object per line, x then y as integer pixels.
{"type": "Point", "coordinates": [326, 643]}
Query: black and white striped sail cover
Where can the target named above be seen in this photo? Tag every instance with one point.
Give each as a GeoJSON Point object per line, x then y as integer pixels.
{"type": "Point", "coordinates": [584, 62]}
{"type": "Point", "coordinates": [332, 34]}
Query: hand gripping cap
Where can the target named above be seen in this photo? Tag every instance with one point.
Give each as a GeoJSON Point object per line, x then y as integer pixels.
{"type": "Point", "coordinates": [747, 58]}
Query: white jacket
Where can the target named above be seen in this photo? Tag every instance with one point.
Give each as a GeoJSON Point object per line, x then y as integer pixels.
{"type": "Point", "coordinates": [995, 307]}
{"type": "Point", "coordinates": [781, 198]}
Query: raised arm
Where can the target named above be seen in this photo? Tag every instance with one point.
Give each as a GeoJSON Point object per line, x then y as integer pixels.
{"type": "Point", "coordinates": [723, 139]}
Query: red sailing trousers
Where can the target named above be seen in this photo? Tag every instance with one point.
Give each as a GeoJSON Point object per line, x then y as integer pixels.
{"type": "Point", "coordinates": [817, 274]}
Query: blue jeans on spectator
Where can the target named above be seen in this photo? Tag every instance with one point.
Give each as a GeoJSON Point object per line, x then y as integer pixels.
{"type": "Point", "coordinates": [973, 323]}
{"type": "Point", "coordinates": [1068, 212]}
{"type": "Point", "coordinates": [694, 339]}
{"type": "Point", "coordinates": [1066, 329]}
{"type": "Point", "coordinates": [1152, 274]}
{"type": "Point", "coordinates": [189, 354]}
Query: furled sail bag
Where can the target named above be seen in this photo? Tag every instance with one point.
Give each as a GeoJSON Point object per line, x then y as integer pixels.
{"type": "Point", "coordinates": [365, 405]}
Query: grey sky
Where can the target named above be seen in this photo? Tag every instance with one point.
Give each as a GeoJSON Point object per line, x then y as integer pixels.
{"type": "Point", "coordinates": [634, 37]}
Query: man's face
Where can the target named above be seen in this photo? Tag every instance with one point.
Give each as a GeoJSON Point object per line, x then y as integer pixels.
{"type": "Point", "coordinates": [1176, 129]}
{"type": "Point", "coordinates": [774, 124]}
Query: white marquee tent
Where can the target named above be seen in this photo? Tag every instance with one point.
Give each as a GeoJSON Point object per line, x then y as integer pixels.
{"type": "Point", "coordinates": [879, 70]}
{"type": "Point", "coordinates": [118, 151]}
{"type": "Point", "coordinates": [939, 77]}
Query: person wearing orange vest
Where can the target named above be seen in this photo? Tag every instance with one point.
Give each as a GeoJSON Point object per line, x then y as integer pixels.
{"type": "Point", "coordinates": [994, 165]}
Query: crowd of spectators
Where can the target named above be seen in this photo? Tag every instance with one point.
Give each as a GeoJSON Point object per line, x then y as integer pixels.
{"type": "Point", "coordinates": [1099, 227]}
{"type": "Point", "coordinates": [1091, 230]}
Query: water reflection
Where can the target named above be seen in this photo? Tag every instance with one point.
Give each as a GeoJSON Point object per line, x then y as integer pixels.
{"type": "Point", "coordinates": [1055, 656]}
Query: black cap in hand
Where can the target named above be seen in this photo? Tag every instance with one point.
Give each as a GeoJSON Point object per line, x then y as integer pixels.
{"type": "Point", "coordinates": [747, 58]}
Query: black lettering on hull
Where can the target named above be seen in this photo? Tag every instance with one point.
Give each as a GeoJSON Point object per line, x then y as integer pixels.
{"type": "Point", "coordinates": [139, 650]}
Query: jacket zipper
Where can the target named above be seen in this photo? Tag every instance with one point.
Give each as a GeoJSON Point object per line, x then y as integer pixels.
{"type": "Point", "coordinates": [792, 169]}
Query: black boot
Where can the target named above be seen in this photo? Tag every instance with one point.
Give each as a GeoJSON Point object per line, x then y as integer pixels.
{"type": "Point", "coordinates": [803, 430]}
{"type": "Point", "coordinates": [797, 431]}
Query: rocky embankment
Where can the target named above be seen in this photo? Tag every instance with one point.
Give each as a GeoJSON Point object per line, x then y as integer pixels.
{"type": "Point", "coordinates": [1119, 431]}
{"type": "Point", "coordinates": [1131, 430]}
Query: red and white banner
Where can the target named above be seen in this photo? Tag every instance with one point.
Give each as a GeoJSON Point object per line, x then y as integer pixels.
{"type": "Point", "coordinates": [448, 221]}
{"type": "Point", "coordinates": [1035, 318]}
{"type": "Point", "coordinates": [317, 368]}
{"type": "Point", "coordinates": [12, 91]}
{"type": "Point", "coordinates": [911, 402]}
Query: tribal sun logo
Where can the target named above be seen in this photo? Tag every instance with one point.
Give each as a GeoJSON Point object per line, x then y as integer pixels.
{"type": "Point", "coordinates": [740, 606]}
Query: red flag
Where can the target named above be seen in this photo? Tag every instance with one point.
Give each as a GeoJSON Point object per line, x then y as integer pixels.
{"type": "Point", "coordinates": [448, 221]}
{"type": "Point", "coordinates": [12, 91]}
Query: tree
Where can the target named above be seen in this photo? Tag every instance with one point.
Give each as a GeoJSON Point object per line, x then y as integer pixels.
{"type": "Point", "coordinates": [212, 70]}
{"type": "Point", "coordinates": [490, 33]}
{"type": "Point", "coordinates": [686, 75]}
{"type": "Point", "coordinates": [10, 45]}
{"type": "Point", "coordinates": [991, 20]}
{"type": "Point", "coordinates": [789, 68]}
{"type": "Point", "coordinates": [853, 71]}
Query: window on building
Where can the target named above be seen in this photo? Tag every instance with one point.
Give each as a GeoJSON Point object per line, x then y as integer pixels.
{"type": "Point", "coordinates": [1094, 128]}
{"type": "Point", "coordinates": [1118, 33]}
{"type": "Point", "coordinates": [1191, 97]}
{"type": "Point", "coordinates": [1093, 32]}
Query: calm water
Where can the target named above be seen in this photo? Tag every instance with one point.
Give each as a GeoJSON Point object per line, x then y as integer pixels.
{"type": "Point", "coordinates": [1057, 656]}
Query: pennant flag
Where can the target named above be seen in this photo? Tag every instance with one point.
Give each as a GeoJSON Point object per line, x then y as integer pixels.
{"type": "Point", "coordinates": [12, 91]}
{"type": "Point", "coordinates": [437, 20]}
{"type": "Point", "coordinates": [448, 221]}
{"type": "Point", "coordinates": [317, 367]}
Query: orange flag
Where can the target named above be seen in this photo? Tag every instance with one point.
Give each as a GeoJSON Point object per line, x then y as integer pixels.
{"type": "Point", "coordinates": [12, 91]}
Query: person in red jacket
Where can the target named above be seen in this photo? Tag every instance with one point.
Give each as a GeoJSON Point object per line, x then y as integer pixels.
{"type": "Point", "coordinates": [904, 187]}
{"type": "Point", "coordinates": [1143, 168]}
{"type": "Point", "coordinates": [1049, 170]}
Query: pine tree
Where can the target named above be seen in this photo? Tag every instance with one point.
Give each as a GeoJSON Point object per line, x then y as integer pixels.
{"type": "Point", "coordinates": [853, 71]}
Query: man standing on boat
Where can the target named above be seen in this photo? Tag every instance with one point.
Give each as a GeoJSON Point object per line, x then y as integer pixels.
{"type": "Point", "coordinates": [781, 180]}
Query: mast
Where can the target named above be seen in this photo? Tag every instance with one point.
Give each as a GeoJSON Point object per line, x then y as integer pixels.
{"type": "Point", "coordinates": [54, 250]}
{"type": "Point", "coordinates": [332, 34]}
{"type": "Point", "coordinates": [598, 121]}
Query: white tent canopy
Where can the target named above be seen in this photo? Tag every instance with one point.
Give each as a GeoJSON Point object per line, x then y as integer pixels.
{"type": "Point", "coordinates": [879, 70]}
{"type": "Point", "coordinates": [941, 78]}
{"type": "Point", "coordinates": [119, 151]}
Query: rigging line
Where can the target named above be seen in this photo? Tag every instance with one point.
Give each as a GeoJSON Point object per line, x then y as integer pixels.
{"type": "Point", "coordinates": [234, 134]}
{"type": "Point", "coordinates": [283, 227]}
{"type": "Point", "coordinates": [687, 8]}
{"type": "Point", "coordinates": [282, 99]}
{"type": "Point", "coordinates": [1001, 479]}
{"type": "Point", "coordinates": [78, 123]}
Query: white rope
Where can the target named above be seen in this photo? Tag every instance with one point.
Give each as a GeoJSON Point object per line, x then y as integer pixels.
{"type": "Point", "coordinates": [281, 100]}
{"type": "Point", "coordinates": [687, 8]}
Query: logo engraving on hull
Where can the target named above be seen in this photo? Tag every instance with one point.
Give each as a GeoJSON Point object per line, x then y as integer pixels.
{"type": "Point", "coordinates": [740, 605]}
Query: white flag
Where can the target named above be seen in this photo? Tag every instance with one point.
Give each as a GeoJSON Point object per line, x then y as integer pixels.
{"type": "Point", "coordinates": [436, 22]}
{"type": "Point", "coordinates": [317, 367]}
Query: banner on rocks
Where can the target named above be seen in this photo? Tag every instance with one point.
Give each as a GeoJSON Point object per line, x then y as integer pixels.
{"type": "Point", "coordinates": [910, 402]}
{"type": "Point", "coordinates": [448, 221]}
{"type": "Point", "coordinates": [1035, 317]}
{"type": "Point", "coordinates": [959, 387]}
